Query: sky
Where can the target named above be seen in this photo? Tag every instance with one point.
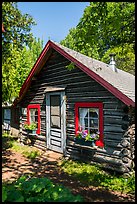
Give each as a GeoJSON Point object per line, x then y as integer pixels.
{"type": "Point", "coordinates": [54, 19]}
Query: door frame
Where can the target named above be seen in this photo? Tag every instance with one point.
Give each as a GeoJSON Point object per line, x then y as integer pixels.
{"type": "Point", "coordinates": [63, 119]}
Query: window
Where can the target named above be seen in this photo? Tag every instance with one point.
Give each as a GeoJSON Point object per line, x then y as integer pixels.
{"type": "Point", "coordinates": [55, 111]}
{"type": "Point", "coordinates": [33, 115]}
{"type": "Point", "coordinates": [89, 116]}
{"type": "Point", "coordinates": [7, 119]}
{"type": "Point", "coordinates": [7, 115]}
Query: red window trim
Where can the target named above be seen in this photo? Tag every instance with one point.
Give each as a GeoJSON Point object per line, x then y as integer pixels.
{"type": "Point", "coordinates": [28, 115]}
{"type": "Point", "coordinates": [90, 105]}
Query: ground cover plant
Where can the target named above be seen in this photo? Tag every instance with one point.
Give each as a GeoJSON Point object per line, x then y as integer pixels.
{"type": "Point", "coordinates": [37, 190]}
{"type": "Point", "coordinates": [9, 142]}
{"type": "Point", "coordinates": [29, 152]}
{"type": "Point", "coordinates": [94, 175]}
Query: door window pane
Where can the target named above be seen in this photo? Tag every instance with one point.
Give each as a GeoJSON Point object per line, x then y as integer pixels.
{"type": "Point", "coordinates": [55, 111]}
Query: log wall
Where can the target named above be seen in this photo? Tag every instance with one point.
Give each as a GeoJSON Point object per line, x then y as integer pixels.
{"type": "Point", "coordinates": [81, 88]}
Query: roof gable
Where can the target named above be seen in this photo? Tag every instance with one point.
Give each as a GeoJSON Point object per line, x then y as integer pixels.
{"type": "Point", "coordinates": [121, 84]}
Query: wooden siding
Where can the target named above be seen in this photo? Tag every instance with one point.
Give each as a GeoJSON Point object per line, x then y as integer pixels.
{"type": "Point", "coordinates": [79, 88]}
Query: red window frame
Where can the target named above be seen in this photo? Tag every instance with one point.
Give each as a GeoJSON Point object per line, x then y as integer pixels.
{"type": "Point", "coordinates": [31, 106]}
{"type": "Point", "coordinates": [91, 105]}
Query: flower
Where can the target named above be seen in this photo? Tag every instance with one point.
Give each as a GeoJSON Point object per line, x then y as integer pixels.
{"type": "Point", "coordinates": [86, 135]}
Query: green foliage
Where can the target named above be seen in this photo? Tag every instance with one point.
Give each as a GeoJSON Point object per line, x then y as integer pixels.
{"type": "Point", "coordinates": [104, 26]}
{"type": "Point", "coordinates": [19, 49]}
{"type": "Point", "coordinates": [7, 141]}
{"type": "Point", "coordinates": [16, 25]}
{"type": "Point", "coordinates": [125, 57]}
{"type": "Point", "coordinates": [29, 152]}
{"type": "Point", "coordinates": [71, 66]}
{"type": "Point", "coordinates": [94, 175]}
{"type": "Point", "coordinates": [37, 190]}
{"type": "Point", "coordinates": [4, 193]}
{"type": "Point", "coordinates": [31, 126]}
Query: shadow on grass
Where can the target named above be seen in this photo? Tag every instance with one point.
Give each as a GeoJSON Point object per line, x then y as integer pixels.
{"type": "Point", "coordinates": [16, 165]}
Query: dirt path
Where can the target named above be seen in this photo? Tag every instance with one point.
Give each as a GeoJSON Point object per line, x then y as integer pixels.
{"type": "Point", "coordinates": [15, 165]}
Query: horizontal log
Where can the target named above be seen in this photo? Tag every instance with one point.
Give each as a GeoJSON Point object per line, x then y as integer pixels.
{"type": "Point", "coordinates": [113, 136]}
{"type": "Point", "coordinates": [126, 152]}
{"type": "Point", "coordinates": [112, 112]}
{"type": "Point", "coordinates": [115, 153]}
{"type": "Point", "coordinates": [114, 128]}
{"type": "Point", "coordinates": [85, 98]}
{"type": "Point", "coordinates": [107, 159]}
{"type": "Point", "coordinates": [112, 144]}
{"type": "Point", "coordinates": [89, 93]}
{"type": "Point", "coordinates": [126, 160]}
{"type": "Point", "coordinates": [125, 143]}
{"type": "Point", "coordinates": [40, 147]}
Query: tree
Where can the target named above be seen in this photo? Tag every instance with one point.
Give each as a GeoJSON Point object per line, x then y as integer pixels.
{"type": "Point", "coordinates": [19, 49]}
{"type": "Point", "coordinates": [28, 57]}
{"type": "Point", "coordinates": [17, 26]}
{"type": "Point", "coordinates": [17, 66]}
{"type": "Point", "coordinates": [104, 26]}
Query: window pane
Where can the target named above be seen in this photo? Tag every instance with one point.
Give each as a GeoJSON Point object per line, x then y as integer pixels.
{"type": "Point", "coordinates": [7, 114]}
{"type": "Point", "coordinates": [89, 119]}
{"type": "Point", "coordinates": [93, 119]}
{"type": "Point", "coordinates": [55, 114]}
{"type": "Point", "coordinates": [34, 115]}
{"type": "Point", "coordinates": [83, 112]}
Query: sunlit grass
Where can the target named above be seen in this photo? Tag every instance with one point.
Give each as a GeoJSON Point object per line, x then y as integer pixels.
{"type": "Point", "coordinates": [27, 151]}
{"type": "Point", "coordinates": [8, 142]}
{"type": "Point", "coordinates": [96, 176]}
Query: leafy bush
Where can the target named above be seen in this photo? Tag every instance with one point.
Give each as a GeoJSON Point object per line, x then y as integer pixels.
{"type": "Point", "coordinates": [94, 175]}
{"type": "Point", "coordinates": [37, 190]}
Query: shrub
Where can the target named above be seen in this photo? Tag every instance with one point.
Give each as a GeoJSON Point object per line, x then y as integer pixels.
{"type": "Point", "coordinates": [37, 190]}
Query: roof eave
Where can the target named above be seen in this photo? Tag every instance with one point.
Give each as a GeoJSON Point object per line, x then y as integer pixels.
{"type": "Point", "coordinates": [92, 74]}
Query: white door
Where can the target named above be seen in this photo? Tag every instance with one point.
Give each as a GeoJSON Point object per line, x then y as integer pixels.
{"type": "Point", "coordinates": [56, 121]}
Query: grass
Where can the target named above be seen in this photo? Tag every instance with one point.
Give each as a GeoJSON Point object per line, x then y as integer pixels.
{"type": "Point", "coordinates": [29, 152]}
{"type": "Point", "coordinates": [94, 175]}
{"type": "Point", "coordinates": [8, 142]}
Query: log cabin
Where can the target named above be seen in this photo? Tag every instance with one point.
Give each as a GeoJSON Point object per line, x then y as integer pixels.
{"type": "Point", "coordinates": [65, 91]}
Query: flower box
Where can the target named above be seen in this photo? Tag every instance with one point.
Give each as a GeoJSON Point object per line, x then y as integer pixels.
{"type": "Point", "coordinates": [85, 143]}
{"type": "Point", "coordinates": [31, 131]}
